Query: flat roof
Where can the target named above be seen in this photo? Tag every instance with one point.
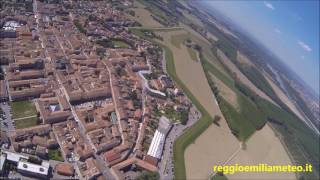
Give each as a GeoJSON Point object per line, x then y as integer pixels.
{"type": "Point", "coordinates": [2, 160]}
{"type": "Point", "coordinates": [155, 149]}
{"type": "Point", "coordinates": [15, 157]}
{"type": "Point", "coordinates": [164, 125]}
{"type": "Point", "coordinates": [38, 169]}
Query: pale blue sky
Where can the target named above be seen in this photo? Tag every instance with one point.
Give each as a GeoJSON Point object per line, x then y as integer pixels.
{"type": "Point", "coordinates": [288, 28]}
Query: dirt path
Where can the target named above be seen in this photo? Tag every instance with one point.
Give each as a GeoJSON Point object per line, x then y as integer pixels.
{"type": "Point", "coordinates": [24, 118]}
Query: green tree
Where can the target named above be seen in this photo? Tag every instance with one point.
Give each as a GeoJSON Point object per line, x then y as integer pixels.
{"type": "Point", "coordinates": [147, 175]}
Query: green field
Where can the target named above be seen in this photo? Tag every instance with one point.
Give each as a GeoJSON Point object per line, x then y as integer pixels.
{"type": "Point", "coordinates": [55, 154]}
{"type": "Point", "coordinates": [22, 109]}
{"type": "Point", "coordinates": [243, 123]}
{"type": "Point", "coordinates": [252, 73]}
{"type": "Point", "coordinates": [25, 123]}
{"type": "Point", "coordinates": [207, 66]}
{"type": "Point", "coordinates": [193, 53]}
{"type": "Point", "coordinates": [178, 39]}
{"type": "Point", "coordinates": [120, 44]}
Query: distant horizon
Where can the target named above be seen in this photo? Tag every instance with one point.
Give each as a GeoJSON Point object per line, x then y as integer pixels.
{"type": "Point", "coordinates": [289, 29]}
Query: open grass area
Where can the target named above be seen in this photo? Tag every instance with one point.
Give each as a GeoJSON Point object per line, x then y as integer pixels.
{"type": "Point", "coordinates": [25, 123]}
{"type": "Point", "coordinates": [178, 39]}
{"type": "Point", "coordinates": [120, 44]}
{"type": "Point", "coordinates": [55, 154]}
{"type": "Point", "coordinates": [22, 109]}
{"type": "Point", "coordinates": [244, 123]}
{"type": "Point", "coordinates": [207, 66]}
{"type": "Point", "coordinates": [193, 53]}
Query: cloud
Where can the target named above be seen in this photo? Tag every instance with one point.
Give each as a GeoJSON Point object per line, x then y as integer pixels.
{"type": "Point", "coordinates": [277, 30]}
{"type": "Point", "coordinates": [302, 57]}
{"type": "Point", "coordinates": [304, 46]}
{"type": "Point", "coordinates": [268, 5]}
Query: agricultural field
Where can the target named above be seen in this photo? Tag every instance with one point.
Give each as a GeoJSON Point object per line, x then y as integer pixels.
{"type": "Point", "coordinates": [200, 156]}
{"type": "Point", "coordinates": [227, 93]}
{"type": "Point", "coordinates": [283, 97]}
{"type": "Point", "coordinates": [158, 15]}
{"type": "Point", "coordinates": [193, 53]}
{"type": "Point", "coordinates": [263, 147]}
{"type": "Point", "coordinates": [243, 60]}
{"type": "Point", "coordinates": [143, 16]}
{"type": "Point", "coordinates": [192, 19]}
{"type": "Point", "coordinates": [179, 41]}
{"type": "Point", "coordinates": [233, 68]}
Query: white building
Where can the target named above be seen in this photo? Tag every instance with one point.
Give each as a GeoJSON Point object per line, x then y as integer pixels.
{"type": "Point", "coordinates": [156, 146]}
{"type": "Point", "coordinates": [35, 170]}
{"type": "Point", "coordinates": [23, 166]}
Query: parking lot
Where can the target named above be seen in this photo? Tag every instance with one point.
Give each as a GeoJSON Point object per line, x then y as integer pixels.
{"type": "Point", "coordinates": [166, 167]}
{"type": "Point", "coordinates": [7, 125]}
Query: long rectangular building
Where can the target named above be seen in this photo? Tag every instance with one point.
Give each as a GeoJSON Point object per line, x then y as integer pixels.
{"type": "Point", "coordinates": [156, 147]}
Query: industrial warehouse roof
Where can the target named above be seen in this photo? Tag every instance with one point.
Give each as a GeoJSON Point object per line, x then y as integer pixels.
{"type": "Point", "coordinates": [156, 146]}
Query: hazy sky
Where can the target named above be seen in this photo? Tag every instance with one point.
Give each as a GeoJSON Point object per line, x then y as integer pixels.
{"type": "Point", "coordinates": [289, 28]}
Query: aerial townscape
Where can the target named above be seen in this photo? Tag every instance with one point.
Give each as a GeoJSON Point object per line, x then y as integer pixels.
{"type": "Point", "coordinates": [137, 89]}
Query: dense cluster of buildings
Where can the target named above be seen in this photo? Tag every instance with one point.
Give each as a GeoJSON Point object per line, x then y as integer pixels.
{"type": "Point", "coordinates": [100, 104]}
